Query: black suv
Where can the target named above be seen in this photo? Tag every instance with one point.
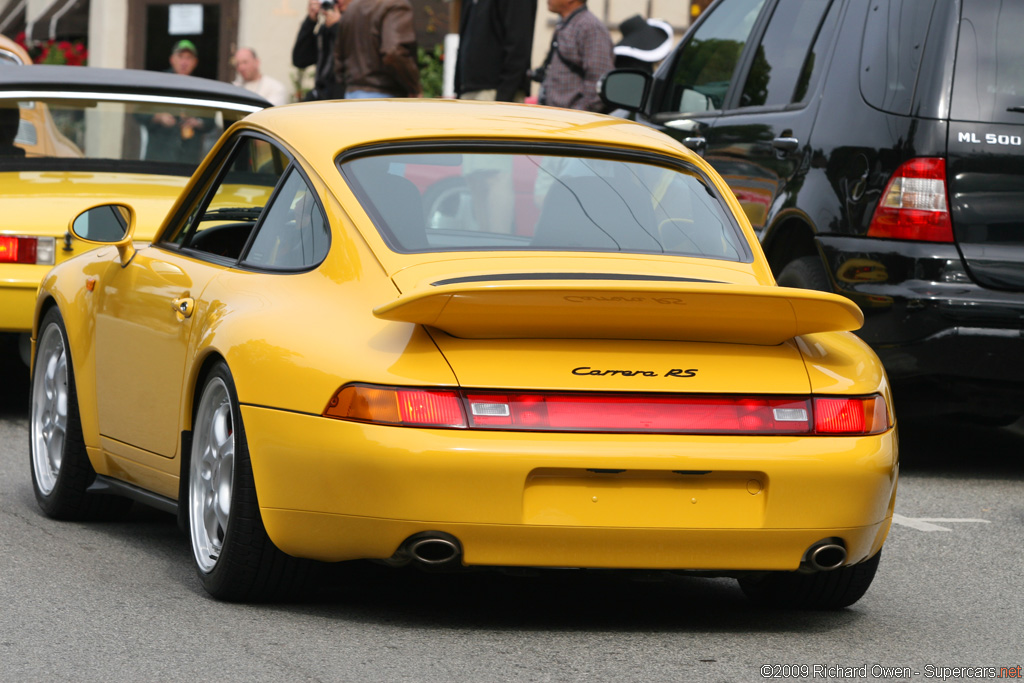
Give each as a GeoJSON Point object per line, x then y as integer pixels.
{"type": "Point", "coordinates": [876, 146]}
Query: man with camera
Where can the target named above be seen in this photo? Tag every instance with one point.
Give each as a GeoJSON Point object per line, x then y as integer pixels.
{"type": "Point", "coordinates": [581, 53]}
{"type": "Point", "coordinates": [315, 46]}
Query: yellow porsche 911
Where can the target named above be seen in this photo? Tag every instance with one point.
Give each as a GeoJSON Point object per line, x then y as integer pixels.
{"type": "Point", "coordinates": [462, 334]}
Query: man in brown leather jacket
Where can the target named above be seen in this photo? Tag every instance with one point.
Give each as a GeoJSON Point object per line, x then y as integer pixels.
{"type": "Point", "coordinates": [375, 49]}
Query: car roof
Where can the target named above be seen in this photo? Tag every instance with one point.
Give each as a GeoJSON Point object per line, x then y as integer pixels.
{"type": "Point", "coordinates": [328, 128]}
{"type": "Point", "coordinates": [43, 78]}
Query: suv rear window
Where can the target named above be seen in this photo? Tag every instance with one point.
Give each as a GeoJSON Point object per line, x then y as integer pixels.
{"type": "Point", "coordinates": [516, 201]}
{"type": "Point", "coordinates": [988, 84]}
{"type": "Point", "coordinates": [890, 60]}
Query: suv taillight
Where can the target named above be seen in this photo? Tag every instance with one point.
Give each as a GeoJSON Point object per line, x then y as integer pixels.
{"type": "Point", "coordinates": [914, 204]}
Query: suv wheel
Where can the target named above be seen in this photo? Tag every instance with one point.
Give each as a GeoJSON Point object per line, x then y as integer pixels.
{"type": "Point", "coordinates": [805, 272]}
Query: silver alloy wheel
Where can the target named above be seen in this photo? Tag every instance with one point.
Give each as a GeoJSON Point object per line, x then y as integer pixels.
{"type": "Point", "coordinates": [49, 408]}
{"type": "Point", "coordinates": [211, 474]}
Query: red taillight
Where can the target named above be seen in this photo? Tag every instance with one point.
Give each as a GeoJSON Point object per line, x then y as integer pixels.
{"type": "Point", "coordinates": [624, 413]}
{"type": "Point", "coordinates": [638, 413]}
{"type": "Point", "coordinates": [17, 249]}
{"type": "Point", "coordinates": [850, 415]}
{"type": "Point", "coordinates": [914, 205]}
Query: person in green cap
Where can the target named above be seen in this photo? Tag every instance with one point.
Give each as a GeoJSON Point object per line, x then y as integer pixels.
{"type": "Point", "coordinates": [184, 57]}
{"type": "Point", "coordinates": [172, 136]}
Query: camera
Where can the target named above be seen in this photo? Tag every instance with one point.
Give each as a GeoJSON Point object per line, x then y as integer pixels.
{"type": "Point", "coordinates": [328, 4]}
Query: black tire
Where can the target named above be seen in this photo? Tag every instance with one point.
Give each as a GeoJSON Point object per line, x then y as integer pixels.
{"type": "Point", "coordinates": [61, 471]}
{"type": "Point", "coordinates": [805, 272]}
{"type": "Point", "coordinates": [234, 557]}
{"type": "Point", "coordinates": [831, 590]}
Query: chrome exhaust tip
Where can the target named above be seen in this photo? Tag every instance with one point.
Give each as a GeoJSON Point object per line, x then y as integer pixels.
{"type": "Point", "coordinates": [826, 555]}
{"type": "Point", "coordinates": [432, 548]}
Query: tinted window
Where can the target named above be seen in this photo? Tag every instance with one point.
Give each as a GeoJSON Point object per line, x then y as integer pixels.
{"type": "Point", "coordinates": [814, 65]}
{"type": "Point", "coordinates": [515, 202]}
{"type": "Point", "coordinates": [784, 50]}
{"type": "Point", "coordinates": [293, 234]}
{"type": "Point", "coordinates": [894, 38]}
{"type": "Point", "coordinates": [989, 81]}
{"type": "Point", "coordinates": [704, 66]}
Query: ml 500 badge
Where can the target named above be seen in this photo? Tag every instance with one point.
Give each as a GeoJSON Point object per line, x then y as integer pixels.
{"type": "Point", "coordinates": [990, 139]}
{"type": "Point", "coordinates": [674, 372]}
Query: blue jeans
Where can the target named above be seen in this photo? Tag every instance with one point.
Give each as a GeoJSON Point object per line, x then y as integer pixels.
{"type": "Point", "coordinates": [365, 95]}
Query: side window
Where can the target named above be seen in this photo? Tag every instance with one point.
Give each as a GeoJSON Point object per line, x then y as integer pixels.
{"type": "Point", "coordinates": [293, 234]}
{"type": "Point", "coordinates": [223, 218]}
{"type": "Point", "coordinates": [780, 59]}
{"type": "Point", "coordinates": [815, 62]}
{"type": "Point", "coordinates": [704, 66]}
{"type": "Point", "coordinates": [890, 60]}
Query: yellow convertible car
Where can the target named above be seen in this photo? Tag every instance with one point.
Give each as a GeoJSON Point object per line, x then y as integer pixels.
{"type": "Point", "coordinates": [462, 334]}
{"type": "Point", "coordinates": [73, 136]}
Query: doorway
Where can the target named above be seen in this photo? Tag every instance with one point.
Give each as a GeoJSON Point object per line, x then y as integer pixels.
{"type": "Point", "coordinates": [211, 25]}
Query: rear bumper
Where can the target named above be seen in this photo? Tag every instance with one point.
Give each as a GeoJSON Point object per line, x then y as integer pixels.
{"type": "Point", "coordinates": [334, 490]}
{"type": "Point", "coordinates": [924, 316]}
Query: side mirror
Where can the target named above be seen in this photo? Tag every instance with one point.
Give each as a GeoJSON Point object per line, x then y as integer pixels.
{"type": "Point", "coordinates": [112, 224]}
{"type": "Point", "coordinates": [625, 88]}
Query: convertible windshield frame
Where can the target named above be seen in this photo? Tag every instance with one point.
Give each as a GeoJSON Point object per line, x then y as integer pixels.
{"type": "Point", "coordinates": [615, 225]}
{"type": "Point", "coordinates": [101, 96]}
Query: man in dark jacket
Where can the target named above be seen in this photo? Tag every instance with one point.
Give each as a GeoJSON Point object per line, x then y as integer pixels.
{"type": "Point", "coordinates": [315, 45]}
{"type": "Point", "coordinates": [375, 49]}
{"type": "Point", "coordinates": [495, 43]}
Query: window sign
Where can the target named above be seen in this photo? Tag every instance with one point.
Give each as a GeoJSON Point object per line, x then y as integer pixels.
{"type": "Point", "coordinates": [185, 20]}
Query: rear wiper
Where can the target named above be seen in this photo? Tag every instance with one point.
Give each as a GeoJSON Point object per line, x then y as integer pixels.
{"type": "Point", "coordinates": [240, 213]}
{"type": "Point", "coordinates": [1019, 110]}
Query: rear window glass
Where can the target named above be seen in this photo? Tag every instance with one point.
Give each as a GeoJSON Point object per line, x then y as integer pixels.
{"type": "Point", "coordinates": [513, 202]}
{"type": "Point", "coordinates": [988, 84]}
{"type": "Point", "coordinates": [894, 39]}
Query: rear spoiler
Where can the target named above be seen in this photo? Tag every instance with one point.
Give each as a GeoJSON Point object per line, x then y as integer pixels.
{"type": "Point", "coordinates": [703, 312]}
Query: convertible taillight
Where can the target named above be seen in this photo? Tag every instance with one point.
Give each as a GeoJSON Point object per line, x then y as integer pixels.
{"type": "Point", "coordinates": [598, 412]}
{"type": "Point", "coordinates": [25, 249]}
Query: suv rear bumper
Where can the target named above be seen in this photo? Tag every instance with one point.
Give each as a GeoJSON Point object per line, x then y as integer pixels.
{"type": "Point", "coordinates": [928, 321]}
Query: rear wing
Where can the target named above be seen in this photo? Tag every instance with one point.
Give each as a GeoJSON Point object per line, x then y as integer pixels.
{"type": "Point", "coordinates": [704, 312]}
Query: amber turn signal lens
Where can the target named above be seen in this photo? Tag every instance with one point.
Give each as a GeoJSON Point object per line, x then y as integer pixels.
{"type": "Point", "coordinates": [392, 405]}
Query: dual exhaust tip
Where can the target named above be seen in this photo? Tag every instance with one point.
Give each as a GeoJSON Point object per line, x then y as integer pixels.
{"type": "Point", "coordinates": [430, 549]}
{"type": "Point", "coordinates": [825, 555]}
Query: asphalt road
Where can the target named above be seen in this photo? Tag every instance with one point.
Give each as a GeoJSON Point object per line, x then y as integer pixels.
{"type": "Point", "coordinates": [120, 602]}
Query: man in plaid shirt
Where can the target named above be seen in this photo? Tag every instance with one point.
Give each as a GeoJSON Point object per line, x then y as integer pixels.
{"type": "Point", "coordinates": [581, 53]}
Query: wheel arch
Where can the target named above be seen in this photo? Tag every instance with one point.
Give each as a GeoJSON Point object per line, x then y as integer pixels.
{"type": "Point", "coordinates": [791, 236]}
{"type": "Point", "coordinates": [188, 411]}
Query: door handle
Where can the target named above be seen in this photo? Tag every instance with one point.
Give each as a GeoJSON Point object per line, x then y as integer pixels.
{"type": "Point", "coordinates": [696, 143]}
{"type": "Point", "coordinates": [785, 144]}
{"type": "Point", "coordinates": [183, 307]}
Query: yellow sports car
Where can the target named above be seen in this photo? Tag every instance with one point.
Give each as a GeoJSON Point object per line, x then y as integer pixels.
{"type": "Point", "coordinates": [462, 334]}
{"type": "Point", "coordinates": [71, 137]}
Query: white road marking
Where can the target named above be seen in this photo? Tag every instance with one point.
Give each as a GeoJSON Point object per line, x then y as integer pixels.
{"type": "Point", "coordinates": [925, 523]}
